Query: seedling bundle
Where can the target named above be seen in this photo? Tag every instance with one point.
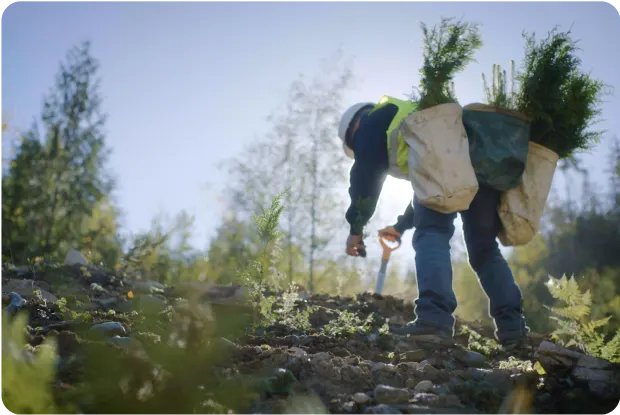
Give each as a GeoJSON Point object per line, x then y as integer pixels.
{"type": "Point", "coordinates": [547, 118]}
{"type": "Point", "coordinates": [439, 165]}
{"type": "Point", "coordinates": [513, 141]}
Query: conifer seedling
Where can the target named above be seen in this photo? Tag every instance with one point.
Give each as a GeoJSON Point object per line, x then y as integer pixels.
{"type": "Point", "coordinates": [448, 49]}
{"type": "Point", "coordinates": [561, 100]}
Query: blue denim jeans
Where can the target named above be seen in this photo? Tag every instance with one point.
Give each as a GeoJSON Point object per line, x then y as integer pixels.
{"type": "Point", "coordinates": [431, 240]}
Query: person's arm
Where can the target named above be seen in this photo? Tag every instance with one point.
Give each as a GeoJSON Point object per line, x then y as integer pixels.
{"type": "Point", "coordinates": [370, 168]}
{"type": "Point", "coordinates": [366, 182]}
{"type": "Point", "coordinates": [405, 221]}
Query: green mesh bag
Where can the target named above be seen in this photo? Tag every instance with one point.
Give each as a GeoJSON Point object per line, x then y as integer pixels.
{"type": "Point", "coordinates": [498, 144]}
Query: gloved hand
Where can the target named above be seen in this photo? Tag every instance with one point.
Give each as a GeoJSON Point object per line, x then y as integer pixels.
{"type": "Point", "coordinates": [390, 233]}
{"type": "Point", "coordinates": [355, 246]}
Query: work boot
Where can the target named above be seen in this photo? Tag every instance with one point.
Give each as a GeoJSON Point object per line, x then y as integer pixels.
{"type": "Point", "coordinates": [418, 329]}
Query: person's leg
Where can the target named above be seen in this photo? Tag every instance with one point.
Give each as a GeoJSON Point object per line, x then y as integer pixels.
{"type": "Point", "coordinates": [481, 225]}
{"type": "Point", "coordinates": [436, 300]}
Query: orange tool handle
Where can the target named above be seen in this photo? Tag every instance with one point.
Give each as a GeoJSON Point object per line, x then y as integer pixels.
{"type": "Point", "coordinates": [390, 237]}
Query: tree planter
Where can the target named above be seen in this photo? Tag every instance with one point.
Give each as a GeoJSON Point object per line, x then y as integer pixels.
{"type": "Point", "coordinates": [498, 140]}
{"type": "Point", "coordinates": [440, 168]}
{"type": "Point", "coordinates": [521, 208]}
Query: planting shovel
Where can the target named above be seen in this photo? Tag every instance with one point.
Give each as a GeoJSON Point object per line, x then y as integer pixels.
{"type": "Point", "coordinates": [387, 251]}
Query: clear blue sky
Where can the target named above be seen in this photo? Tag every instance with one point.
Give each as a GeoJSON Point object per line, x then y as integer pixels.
{"type": "Point", "coordinates": [189, 84]}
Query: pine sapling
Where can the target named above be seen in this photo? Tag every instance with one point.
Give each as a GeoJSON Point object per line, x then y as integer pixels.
{"type": "Point", "coordinates": [447, 50]}
{"type": "Point", "coordinates": [559, 98]}
{"type": "Point", "coordinates": [255, 275]}
{"type": "Point", "coordinates": [497, 94]}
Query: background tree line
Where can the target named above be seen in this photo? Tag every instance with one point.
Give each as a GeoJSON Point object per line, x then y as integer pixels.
{"type": "Point", "coordinates": [58, 194]}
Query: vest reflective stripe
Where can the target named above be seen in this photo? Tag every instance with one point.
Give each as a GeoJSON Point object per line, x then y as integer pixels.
{"type": "Point", "coordinates": [398, 150]}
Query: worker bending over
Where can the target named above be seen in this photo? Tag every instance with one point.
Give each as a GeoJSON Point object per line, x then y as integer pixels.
{"type": "Point", "coordinates": [370, 136]}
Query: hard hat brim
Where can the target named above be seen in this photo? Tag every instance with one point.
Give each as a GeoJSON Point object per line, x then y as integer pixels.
{"type": "Point", "coordinates": [348, 151]}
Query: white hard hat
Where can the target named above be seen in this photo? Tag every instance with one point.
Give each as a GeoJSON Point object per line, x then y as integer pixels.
{"type": "Point", "coordinates": [345, 121]}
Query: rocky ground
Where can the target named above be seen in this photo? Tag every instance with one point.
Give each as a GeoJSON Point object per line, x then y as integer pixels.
{"type": "Point", "coordinates": [139, 346]}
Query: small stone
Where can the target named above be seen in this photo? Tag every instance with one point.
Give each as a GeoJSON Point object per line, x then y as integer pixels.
{"type": "Point", "coordinates": [107, 302]}
{"type": "Point", "coordinates": [469, 357]}
{"type": "Point", "coordinates": [147, 286]}
{"type": "Point", "coordinates": [75, 257]}
{"type": "Point", "coordinates": [390, 394]}
{"type": "Point", "coordinates": [384, 367]}
{"type": "Point", "coordinates": [424, 386]}
{"type": "Point", "coordinates": [412, 365]}
{"type": "Point", "coordinates": [299, 352]}
{"type": "Point", "coordinates": [110, 328]}
{"type": "Point", "coordinates": [361, 398]}
{"type": "Point", "coordinates": [500, 380]}
{"type": "Point", "coordinates": [428, 372]}
{"type": "Point", "coordinates": [352, 373]}
{"type": "Point", "coordinates": [352, 360]}
{"type": "Point", "coordinates": [348, 407]}
{"type": "Point", "coordinates": [124, 342]}
{"type": "Point", "coordinates": [382, 409]}
{"type": "Point", "coordinates": [424, 363]}
{"type": "Point", "coordinates": [26, 289]}
{"type": "Point", "coordinates": [414, 355]}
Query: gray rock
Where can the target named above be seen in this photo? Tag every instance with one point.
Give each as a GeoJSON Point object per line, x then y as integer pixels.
{"type": "Point", "coordinates": [425, 409]}
{"type": "Point", "coordinates": [412, 366]}
{"type": "Point", "coordinates": [424, 363]}
{"type": "Point", "coordinates": [352, 374]}
{"type": "Point", "coordinates": [27, 288]}
{"type": "Point", "coordinates": [323, 365]}
{"type": "Point", "coordinates": [109, 328]}
{"type": "Point", "coordinates": [22, 270]}
{"type": "Point", "coordinates": [107, 302]}
{"type": "Point", "coordinates": [603, 377]}
{"type": "Point", "coordinates": [553, 357]}
{"type": "Point", "coordinates": [424, 386]}
{"type": "Point", "coordinates": [147, 286]}
{"type": "Point", "coordinates": [124, 342]}
{"type": "Point", "coordinates": [348, 407]}
{"type": "Point", "coordinates": [438, 401]}
{"type": "Point", "coordinates": [499, 379]}
{"type": "Point", "coordinates": [427, 371]}
{"type": "Point", "coordinates": [475, 373]}
{"type": "Point", "coordinates": [386, 374]}
{"type": "Point", "coordinates": [151, 303]}
{"type": "Point", "coordinates": [389, 394]}
{"type": "Point", "coordinates": [361, 398]}
{"type": "Point", "coordinates": [414, 355]}
{"type": "Point", "coordinates": [299, 352]}
{"type": "Point", "coordinates": [381, 409]}
{"type": "Point", "coordinates": [384, 367]}
{"type": "Point", "coordinates": [469, 357]}
{"type": "Point", "coordinates": [75, 257]}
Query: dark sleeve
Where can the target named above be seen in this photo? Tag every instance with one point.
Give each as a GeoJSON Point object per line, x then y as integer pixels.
{"type": "Point", "coordinates": [366, 182]}
{"type": "Point", "coordinates": [405, 221]}
{"type": "Point", "coordinates": [370, 167]}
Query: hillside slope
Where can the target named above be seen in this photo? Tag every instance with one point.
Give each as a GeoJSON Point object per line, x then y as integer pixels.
{"type": "Point", "coordinates": [139, 346]}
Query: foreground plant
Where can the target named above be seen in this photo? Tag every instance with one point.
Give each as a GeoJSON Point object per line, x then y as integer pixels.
{"type": "Point", "coordinates": [575, 327]}
{"type": "Point", "coordinates": [26, 379]}
{"type": "Point", "coordinates": [256, 274]}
